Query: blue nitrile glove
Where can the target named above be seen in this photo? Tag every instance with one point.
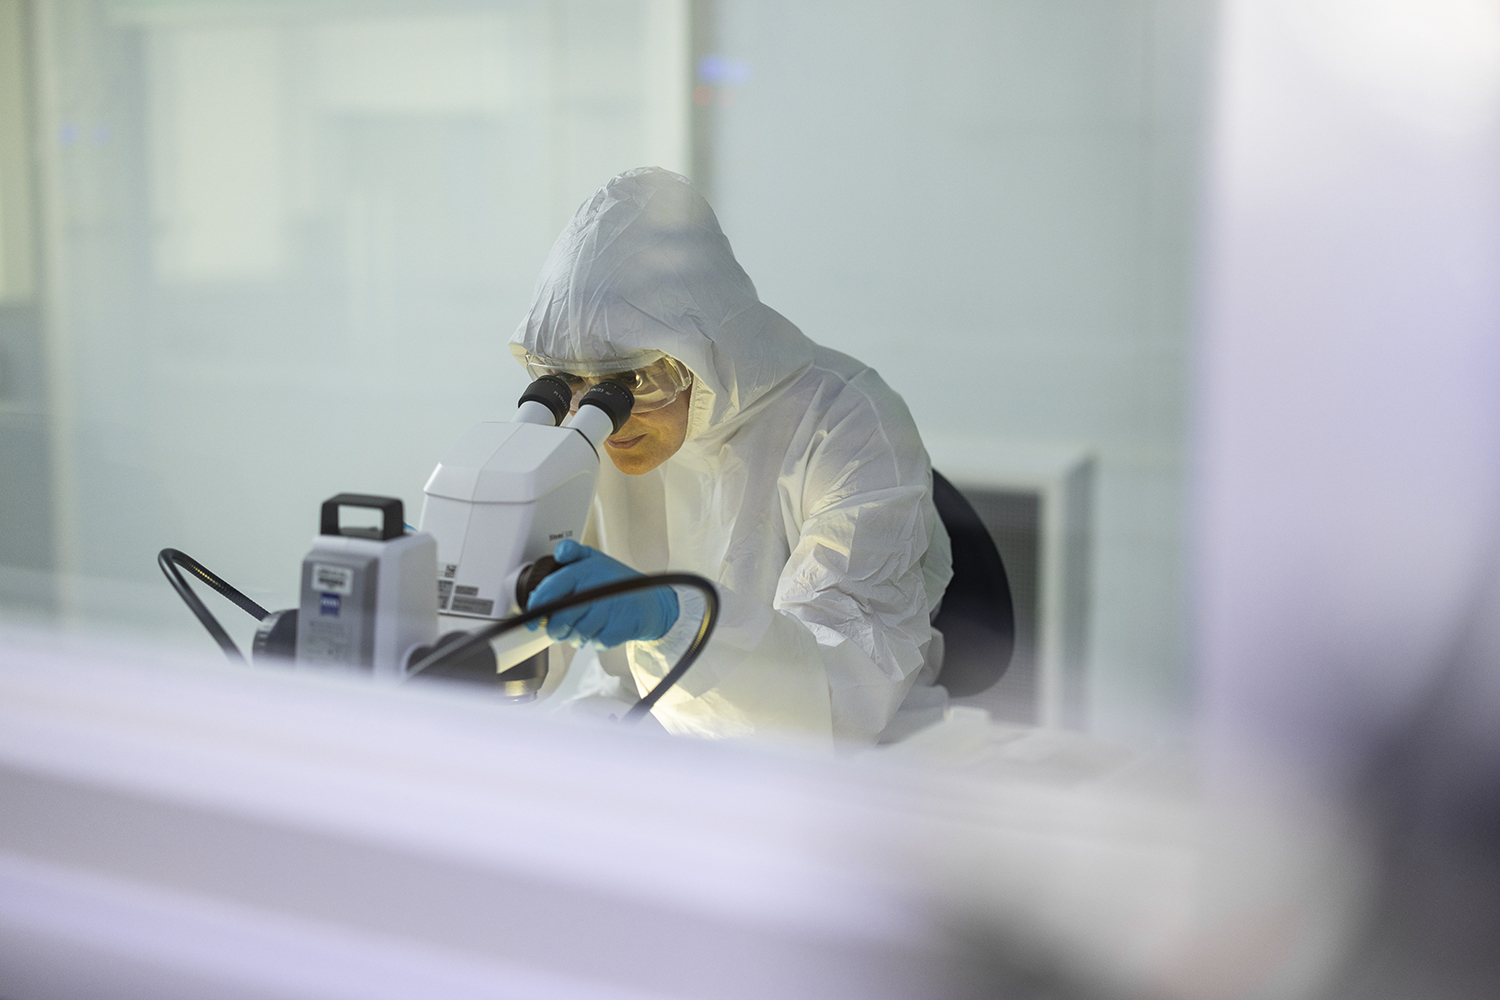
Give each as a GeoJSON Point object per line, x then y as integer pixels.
{"type": "Point", "coordinates": [643, 614]}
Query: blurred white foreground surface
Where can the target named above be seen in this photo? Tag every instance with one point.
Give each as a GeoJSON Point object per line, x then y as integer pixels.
{"type": "Point", "coordinates": [176, 829]}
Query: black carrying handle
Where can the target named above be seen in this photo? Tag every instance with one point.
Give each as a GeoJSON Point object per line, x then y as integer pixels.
{"type": "Point", "coordinates": [392, 515]}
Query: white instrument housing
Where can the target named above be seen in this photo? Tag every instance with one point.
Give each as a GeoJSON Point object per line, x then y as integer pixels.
{"type": "Point", "coordinates": [366, 603]}
{"type": "Point", "coordinates": [503, 496]}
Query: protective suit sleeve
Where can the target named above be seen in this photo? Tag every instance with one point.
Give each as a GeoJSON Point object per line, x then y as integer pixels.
{"type": "Point", "coordinates": [691, 608]}
{"type": "Point", "coordinates": [848, 630]}
{"type": "Point", "coordinates": [855, 582]}
{"type": "Point", "coordinates": [763, 673]}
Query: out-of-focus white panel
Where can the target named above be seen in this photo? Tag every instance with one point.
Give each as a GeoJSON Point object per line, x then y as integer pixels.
{"type": "Point", "coordinates": [433, 64]}
{"type": "Point", "coordinates": [190, 829]}
{"type": "Point", "coordinates": [474, 845]}
{"type": "Point", "coordinates": [72, 933]}
{"type": "Point", "coordinates": [1348, 451]}
{"type": "Point", "coordinates": [218, 155]}
{"type": "Point", "coordinates": [16, 251]}
{"type": "Point", "coordinates": [667, 61]}
{"type": "Point", "coordinates": [1435, 63]}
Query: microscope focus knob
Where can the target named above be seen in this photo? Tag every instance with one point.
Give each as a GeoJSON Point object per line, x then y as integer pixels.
{"type": "Point", "coordinates": [531, 577]}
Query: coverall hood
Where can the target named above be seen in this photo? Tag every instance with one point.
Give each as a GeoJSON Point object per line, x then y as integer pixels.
{"type": "Point", "coordinates": [802, 492]}
{"type": "Point", "coordinates": [642, 266]}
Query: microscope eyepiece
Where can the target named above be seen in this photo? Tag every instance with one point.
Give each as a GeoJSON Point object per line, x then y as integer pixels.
{"type": "Point", "coordinates": [551, 391]}
{"type": "Point", "coordinates": [613, 398]}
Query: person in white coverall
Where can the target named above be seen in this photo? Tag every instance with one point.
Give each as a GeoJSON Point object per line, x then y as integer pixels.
{"type": "Point", "coordinates": [789, 474]}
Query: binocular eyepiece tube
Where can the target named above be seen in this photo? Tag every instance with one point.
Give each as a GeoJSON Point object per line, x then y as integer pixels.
{"type": "Point", "coordinates": [602, 411]}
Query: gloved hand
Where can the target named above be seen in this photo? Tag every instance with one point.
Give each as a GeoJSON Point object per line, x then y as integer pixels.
{"type": "Point", "coordinates": [643, 614]}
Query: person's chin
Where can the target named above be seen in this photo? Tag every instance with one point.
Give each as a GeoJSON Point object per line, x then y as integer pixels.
{"type": "Point", "coordinates": [635, 466]}
{"type": "Point", "coordinates": [634, 459]}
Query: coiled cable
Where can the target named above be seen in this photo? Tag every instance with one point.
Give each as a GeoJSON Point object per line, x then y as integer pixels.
{"type": "Point", "coordinates": [705, 629]}
{"type": "Point", "coordinates": [170, 559]}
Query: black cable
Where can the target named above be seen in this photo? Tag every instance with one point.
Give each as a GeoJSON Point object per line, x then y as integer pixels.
{"type": "Point", "coordinates": [169, 560]}
{"type": "Point", "coordinates": [640, 708]}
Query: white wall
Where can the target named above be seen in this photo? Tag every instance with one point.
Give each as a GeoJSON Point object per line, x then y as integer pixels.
{"type": "Point", "coordinates": [993, 203]}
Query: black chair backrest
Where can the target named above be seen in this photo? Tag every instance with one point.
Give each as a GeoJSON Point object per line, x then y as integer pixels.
{"type": "Point", "coordinates": [977, 617]}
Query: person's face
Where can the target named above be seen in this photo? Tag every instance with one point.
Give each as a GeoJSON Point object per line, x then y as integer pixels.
{"type": "Point", "coordinates": [649, 439]}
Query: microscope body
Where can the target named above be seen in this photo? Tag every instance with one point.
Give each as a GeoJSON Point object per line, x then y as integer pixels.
{"type": "Point", "coordinates": [502, 498]}
{"type": "Point", "coordinates": [372, 599]}
{"type": "Point", "coordinates": [366, 601]}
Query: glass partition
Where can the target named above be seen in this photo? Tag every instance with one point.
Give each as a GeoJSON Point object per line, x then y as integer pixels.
{"type": "Point", "coordinates": [272, 252]}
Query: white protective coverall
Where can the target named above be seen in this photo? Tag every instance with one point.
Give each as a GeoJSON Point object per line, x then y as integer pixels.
{"type": "Point", "coordinates": [802, 488]}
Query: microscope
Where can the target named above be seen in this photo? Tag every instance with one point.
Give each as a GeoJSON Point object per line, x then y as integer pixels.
{"type": "Point", "coordinates": [449, 598]}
